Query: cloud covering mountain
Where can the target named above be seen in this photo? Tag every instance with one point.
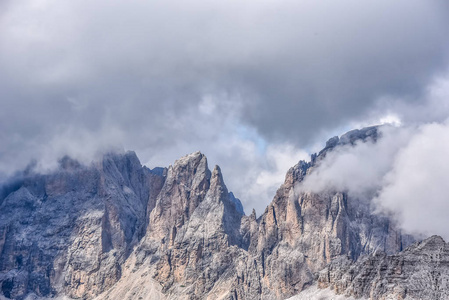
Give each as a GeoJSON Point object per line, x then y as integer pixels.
{"type": "Point", "coordinates": [255, 85]}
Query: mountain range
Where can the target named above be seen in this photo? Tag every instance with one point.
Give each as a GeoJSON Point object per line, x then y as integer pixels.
{"type": "Point", "coordinates": [118, 230]}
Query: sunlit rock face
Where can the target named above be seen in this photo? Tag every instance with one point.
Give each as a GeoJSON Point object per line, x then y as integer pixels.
{"type": "Point", "coordinates": [117, 230]}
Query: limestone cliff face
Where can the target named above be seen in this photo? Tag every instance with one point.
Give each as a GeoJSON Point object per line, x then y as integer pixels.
{"type": "Point", "coordinates": [301, 232]}
{"type": "Point", "coordinates": [117, 230]}
{"type": "Point", "coordinates": [191, 255]}
{"type": "Point", "coordinates": [185, 188]}
{"type": "Point", "coordinates": [421, 271]}
{"type": "Point", "coordinates": [69, 232]}
{"type": "Point", "coordinates": [210, 250]}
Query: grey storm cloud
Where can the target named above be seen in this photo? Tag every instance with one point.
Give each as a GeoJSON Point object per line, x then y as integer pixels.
{"type": "Point", "coordinates": [248, 83]}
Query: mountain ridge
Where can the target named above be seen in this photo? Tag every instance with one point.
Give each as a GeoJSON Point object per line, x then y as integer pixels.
{"type": "Point", "coordinates": [180, 230]}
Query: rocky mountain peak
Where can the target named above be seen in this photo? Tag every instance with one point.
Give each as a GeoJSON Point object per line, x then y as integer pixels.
{"type": "Point", "coordinates": [363, 134]}
{"type": "Point", "coordinates": [351, 137]}
{"type": "Point", "coordinates": [192, 159]}
{"type": "Point", "coordinates": [297, 173]}
{"type": "Point", "coordinates": [433, 243]}
{"type": "Point", "coordinates": [217, 177]}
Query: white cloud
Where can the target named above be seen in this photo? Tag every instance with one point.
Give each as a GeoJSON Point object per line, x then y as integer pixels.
{"type": "Point", "coordinates": [416, 188]}
{"type": "Point", "coordinates": [266, 179]}
{"type": "Point", "coordinates": [390, 119]}
{"type": "Point", "coordinates": [358, 169]}
{"type": "Point", "coordinates": [405, 175]}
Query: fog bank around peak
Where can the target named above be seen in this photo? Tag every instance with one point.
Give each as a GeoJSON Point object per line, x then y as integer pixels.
{"type": "Point", "coordinates": [360, 168]}
{"type": "Point", "coordinates": [415, 189]}
{"type": "Point", "coordinates": [404, 174]}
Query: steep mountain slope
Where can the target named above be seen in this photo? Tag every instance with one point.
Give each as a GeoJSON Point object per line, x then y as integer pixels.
{"type": "Point", "coordinates": [300, 232]}
{"type": "Point", "coordinates": [117, 230]}
{"type": "Point", "coordinates": [68, 232]}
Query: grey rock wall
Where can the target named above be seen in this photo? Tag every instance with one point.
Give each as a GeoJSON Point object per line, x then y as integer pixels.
{"type": "Point", "coordinates": [419, 272]}
{"type": "Point", "coordinates": [69, 232]}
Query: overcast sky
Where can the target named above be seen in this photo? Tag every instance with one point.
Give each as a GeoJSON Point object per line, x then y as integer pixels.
{"type": "Point", "coordinates": [255, 85]}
